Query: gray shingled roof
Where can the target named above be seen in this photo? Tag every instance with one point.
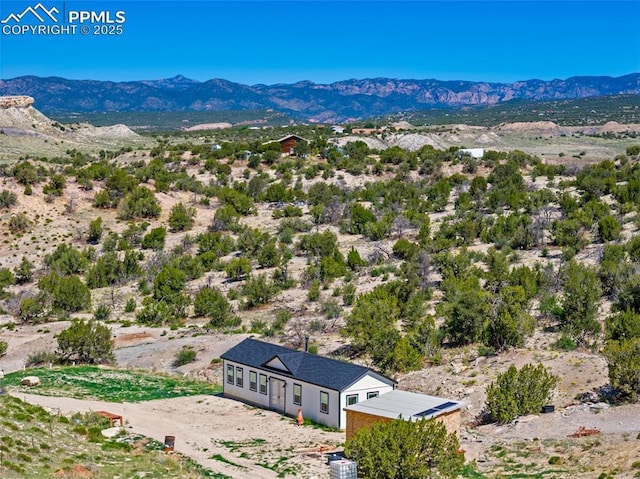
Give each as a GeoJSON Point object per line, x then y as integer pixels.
{"type": "Point", "coordinates": [306, 367]}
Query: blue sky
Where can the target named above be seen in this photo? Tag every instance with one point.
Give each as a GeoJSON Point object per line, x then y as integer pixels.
{"type": "Point", "coordinates": [324, 41]}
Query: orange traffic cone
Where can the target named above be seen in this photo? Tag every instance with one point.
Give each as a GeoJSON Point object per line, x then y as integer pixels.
{"type": "Point", "coordinates": [299, 417]}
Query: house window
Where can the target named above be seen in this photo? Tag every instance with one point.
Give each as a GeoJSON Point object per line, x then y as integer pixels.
{"type": "Point", "coordinates": [253, 381]}
{"type": "Point", "coordinates": [297, 394]}
{"type": "Point", "coordinates": [263, 384]}
{"type": "Point", "coordinates": [352, 399]}
{"type": "Point", "coordinates": [373, 394]}
{"type": "Point", "coordinates": [324, 402]}
{"type": "Point", "coordinates": [239, 377]}
{"type": "Point", "coordinates": [230, 370]}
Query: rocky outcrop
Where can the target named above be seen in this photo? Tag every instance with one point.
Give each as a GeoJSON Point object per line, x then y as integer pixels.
{"type": "Point", "coordinates": [30, 381]}
{"type": "Point", "coordinates": [18, 101]}
{"type": "Point", "coordinates": [532, 127]}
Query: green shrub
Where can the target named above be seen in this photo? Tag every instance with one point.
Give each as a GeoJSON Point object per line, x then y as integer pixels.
{"type": "Point", "coordinates": [40, 358]}
{"type": "Point", "coordinates": [565, 343]}
{"type": "Point", "coordinates": [623, 325]}
{"type": "Point", "coordinates": [130, 306]}
{"type": "Point", "coordinates": [16, 467]}
{"type": "Point", "coordinates": [94, 434]}
{"type": "Point", "coordinates": [331, 309]}
{"type": "Point", "coordinates": [518, 392]}
{"type": "Point", "coordinates": [390, 450]}
{"type": "Point", "coordinates": [68, 293]}
{"type": "Point", "coordinates": [18, 223]}
{"type": "Point", "coordinates": [32, 310]}
{"type": "Point", "coordinates": [314, 290]}
{"type": "Point", "coordinates": [258, 290]}
{"type": "Point", "coordinates": [181, 217]}
{"type": "Point", "coordinates": [7, 199]}
{"type": "Point", "coordinates": [348, 294]}
{"type": "Point", "coordinates": [86, 342]}
{"type": "Point", "coordinates": [102, 312]}
{"type": "Point", "coordinates": [24, 272]}
{"type": "Point", "coordinates": [486, 351]}
{"type": "Point", "coordinates": [238, 268]}
{"type": "Point", "coordinates": [139, 203]}
{"type": "Point", "coordinates": [633, 150]}
{"type": "Point", "coordinates": [185, 356]}
{"type": "Point", "coordinates": [116, 445]}
{"type": "Point", "coordinates": [210, 302]}
{"type": "Point", "coordinates": [66, 259]}
{"type": "Point", "coordinates": [95, 231]}
{"type": "Point", "coordinates": [623, 361]}
{"type": "Point", "coordinates": [609, 228]}
{"type": "Point", "coordinates": [55, 186]}
{"type": "Point", "coordinates": [155, 239]}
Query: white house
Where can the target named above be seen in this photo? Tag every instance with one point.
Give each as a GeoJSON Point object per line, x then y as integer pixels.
{"type": "Point", "coordinates": [476, 153]}
{"type": "Point", "coordinates": [285, 380]}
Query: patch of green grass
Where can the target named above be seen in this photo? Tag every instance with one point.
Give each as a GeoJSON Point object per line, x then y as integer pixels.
{"type": "Point", "coordinates": [38, 452]}
{"type": "Point", "coordinates": [522, 460]}
{"type": "Point", "coordinates": [234, 446]}
{"type": "Point", "coordinates": [281, 467]}
{"type": "Point", "coordinates": [113, 385]}
{"type": "Point", "coordinates": [309, 423]}
{"type": "Point", "coordinates": [468, 472]}
{"type": "Point", "coordinates": [221, 458]}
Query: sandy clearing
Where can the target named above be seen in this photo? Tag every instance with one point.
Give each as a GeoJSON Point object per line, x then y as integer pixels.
{"type": "Point", "coordinates": [199, 423]}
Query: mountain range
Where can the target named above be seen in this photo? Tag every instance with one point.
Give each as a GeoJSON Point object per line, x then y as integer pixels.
{"type": "Point", "coordinates": [333, 102]}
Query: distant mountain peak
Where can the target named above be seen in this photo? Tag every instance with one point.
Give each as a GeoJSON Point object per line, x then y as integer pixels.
{"type": "Point", "coordinates": [178, 82]}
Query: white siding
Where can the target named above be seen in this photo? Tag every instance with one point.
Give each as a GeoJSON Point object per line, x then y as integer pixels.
{"type": "Point", "coordinates": [244, 393]}
{"type": "Point", "coordinates": [367, 384]}
{"type": "Point", "coordinates": [310, 396]}
{"type": "Point", "coordinates": [311, 404]}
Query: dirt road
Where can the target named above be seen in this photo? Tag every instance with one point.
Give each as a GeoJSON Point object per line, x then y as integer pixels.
{"type": "Point", "coordinates": [201, 423]}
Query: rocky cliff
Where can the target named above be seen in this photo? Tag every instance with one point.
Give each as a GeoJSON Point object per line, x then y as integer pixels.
{"type": "Point", "coordinates": [18, 101]}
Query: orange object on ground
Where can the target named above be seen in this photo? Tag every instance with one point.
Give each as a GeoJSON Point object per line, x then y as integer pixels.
{"type": "Point", "coordinates": [299, 417]}
{"type": "Point", "coordinates": [112, 418]}
{"type": "Point", "coordinates": [583, 432]}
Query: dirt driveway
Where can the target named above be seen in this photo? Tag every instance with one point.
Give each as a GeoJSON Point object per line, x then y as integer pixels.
{"type": "Point", "coordinates": [258, 439]}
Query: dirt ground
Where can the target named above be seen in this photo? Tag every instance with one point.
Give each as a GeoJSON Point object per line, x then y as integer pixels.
{"type": "Point", "coordinates": [201, 423]}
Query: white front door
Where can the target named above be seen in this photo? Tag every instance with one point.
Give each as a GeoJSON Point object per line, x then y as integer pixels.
{"type": "Point", "coordinates": [276, 395]}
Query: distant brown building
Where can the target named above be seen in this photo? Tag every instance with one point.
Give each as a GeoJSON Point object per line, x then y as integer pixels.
{"type": "Point", "coordinates": [366, 131]}
{"type": "Point", "coordinates": [289, 142]}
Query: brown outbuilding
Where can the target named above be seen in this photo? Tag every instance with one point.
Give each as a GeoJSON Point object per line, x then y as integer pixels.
{"type": "Point", "coordinates": [288, 143]}
{"type": "Point", "coordinates": [403, 405]}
